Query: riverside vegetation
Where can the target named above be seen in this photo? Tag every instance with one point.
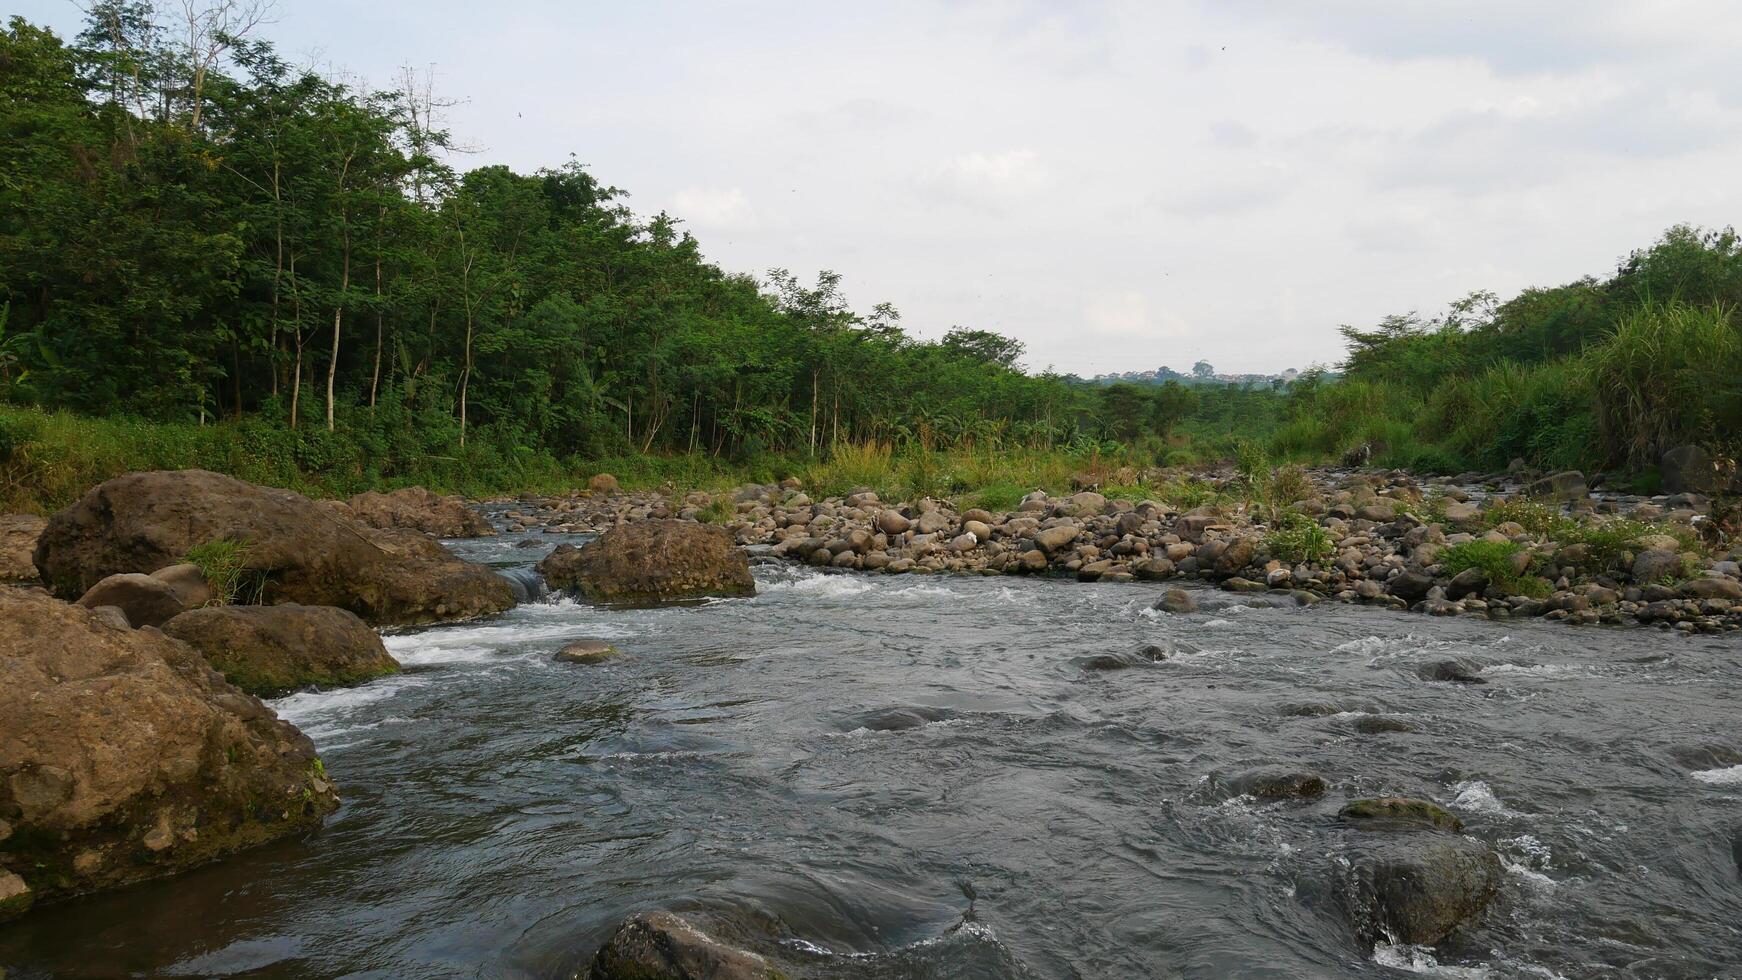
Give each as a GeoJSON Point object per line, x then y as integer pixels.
{"type": "Point", "coordinates": [211, 258]}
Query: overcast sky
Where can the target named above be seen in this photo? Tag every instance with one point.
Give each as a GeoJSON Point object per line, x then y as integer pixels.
{"type": "Point", "coordinates": [1119, 185]}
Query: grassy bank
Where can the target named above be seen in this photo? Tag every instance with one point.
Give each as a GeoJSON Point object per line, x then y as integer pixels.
{"type": "Point", "coordinates": [47, 459]}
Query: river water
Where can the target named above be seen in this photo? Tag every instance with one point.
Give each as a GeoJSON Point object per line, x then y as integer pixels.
{"type": "Point", "coordinates": [919, 777]}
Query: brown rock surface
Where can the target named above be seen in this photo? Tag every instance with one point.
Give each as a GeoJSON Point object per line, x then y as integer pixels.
{"type": "Point", "coordinates": [304, 552]}
{"type": "Point", "coordinates": [652, 561]}
{"type": "Point", "coordinates": [124, 756]}
{"type": "Point", "coordinates": [18, 534]}
{"type": "Point", "coordinates": [271, 650]}
{"type": "Point", "coordinates": [418, 509]}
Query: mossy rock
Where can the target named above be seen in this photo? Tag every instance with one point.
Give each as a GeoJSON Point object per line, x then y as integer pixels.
{"type": "Point", "coordinates": [1388, 812]}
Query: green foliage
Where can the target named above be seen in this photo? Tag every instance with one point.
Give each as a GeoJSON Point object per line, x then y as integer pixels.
{"type": "Point", "coordinates": [224, 563]}
{"type": "Point", "coordinates": [1528, 514]}
{"type": "Point", "coordinates": [1299, 538]}
{"type": "Point", "coordinates": [1496, 560]}
{"type": "Point", "coordinates": [1671, 374]}
{"type": "Point", "coordinates": [719, 510]}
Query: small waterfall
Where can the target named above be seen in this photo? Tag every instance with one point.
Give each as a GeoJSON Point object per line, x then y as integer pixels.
{"type": "Point", "coordinates": [527, 584]}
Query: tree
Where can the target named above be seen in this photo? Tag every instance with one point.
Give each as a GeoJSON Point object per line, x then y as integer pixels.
{"type": "Point", "coordinates": [1202, 370]}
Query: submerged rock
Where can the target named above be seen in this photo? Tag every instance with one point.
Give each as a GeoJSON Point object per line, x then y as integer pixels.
{"type": "Point", "coordinates": [1177, 601]}
{"type": "Point", "coordinates": [1456, 671]}
{"type": "Point", "coordinates": [1277, 783]}
{"type": "Point", "coordinates": [1399, 812]}
{"type": "Point", "coordinates": [294, 549]}
{"type": "Point", "coordinates": [419, 509]}
{"type": "Point", "coordinates": [272, 650]}
{"type": "Point", "coordinates": [652, 561]}
{"type": "Point", "coordinates": [585, 652]}
{"type": "Point", "coordinates": [124, 756]}
{"type": "Point", "coordinates": [664, 946]}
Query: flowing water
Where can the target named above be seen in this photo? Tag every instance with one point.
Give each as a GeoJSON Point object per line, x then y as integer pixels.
{"type": "Point", "coordinates": [920, 777]}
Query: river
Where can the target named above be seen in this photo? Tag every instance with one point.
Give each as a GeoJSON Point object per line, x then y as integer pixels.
{"type": "Point", "coordinates": [879, 776]}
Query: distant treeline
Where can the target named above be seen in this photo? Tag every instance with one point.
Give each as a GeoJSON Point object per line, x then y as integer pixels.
{"type": "Point", "coordinates": [194, 232]}
{"type": "Point", "coordinates": [1596, 374]}
{"type": "Point", "coordinates": [192, 229]}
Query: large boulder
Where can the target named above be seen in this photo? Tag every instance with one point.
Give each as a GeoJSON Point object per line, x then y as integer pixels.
{"type": "Point", "coordinates": [663, 946]}
{"type": "Point", "coordinates": [418, 509]}
{"type": "Point", "coordinates": [1416, 887]}
{"type": "Point", "coordinates": [652, 561]}
{"type": "Point", "coordinates": [124, 756]}
{"type": "Point", "coordinates": [1690, 469]}
{"type": "Point", "coordinates": [271, 650]}
{"type": "Point", "coordinates": [294, 549]}
{"type": "Point", "coordinates": [18, 534]}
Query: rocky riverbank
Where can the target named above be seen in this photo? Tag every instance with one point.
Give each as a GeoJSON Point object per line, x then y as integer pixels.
{"type": "Point", "coordinates": [1495, 546]}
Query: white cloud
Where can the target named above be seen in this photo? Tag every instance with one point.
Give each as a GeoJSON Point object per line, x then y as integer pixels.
{"type": "Point", "coordinates": [988, 178]}
{"type": "Point", "coordinates": [718, 208]}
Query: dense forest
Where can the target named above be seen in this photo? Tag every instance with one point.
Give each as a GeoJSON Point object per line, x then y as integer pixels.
{"type": "Point", "coordinates": [215, 257]}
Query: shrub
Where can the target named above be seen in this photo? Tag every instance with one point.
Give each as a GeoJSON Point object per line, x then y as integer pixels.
{"type": "Point", "coordinates": [1299, 538]}
{"type": "Point", "coordinates": [1495, 559]}
{"type": "Point", "coordinates": [1666, 377]}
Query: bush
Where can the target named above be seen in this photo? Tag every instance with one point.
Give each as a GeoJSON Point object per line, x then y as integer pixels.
{"type": "Point", "coordinates": [1495, 559]}
{"type": "Point", "coordinates": [1666, 377]}
{"type": "Point", "coordinates": [1299, 538]}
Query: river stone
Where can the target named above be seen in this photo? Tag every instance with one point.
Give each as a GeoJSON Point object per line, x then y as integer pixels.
{"type": "Point", "coordinates": [1055, 539]}
{"type": "Point", "coordinates": [1712, 588]}
{"type": "Point", "coordinates": [891, 522]}
{"type": "Point", "coordinates": [1237, 555]}
{"type": "Point", "coordinates": [301, 551]}
{"type": "Point", "coordinates": [1277, 783]}
{"type": "Point", "coordinates": [655, 561]}
{"type": "Point", "coordinates": [588, 651]}
{"type": "Point", "coordinates": [273, 650]}
{"type": "Point", "coordinates": [144, 600]}
{"type": "Point", "coordinates": [126, 757]}
{"type": "Point", "coordinates": [1085, 504]}
{"type": "Point", "coordinates": [664, 946]}
{"type": "Point", "coordinates": [189, 583]}
{"type": "Point", "coordinates": [1191, 527]}
{"type": "Point", "coordinates": [419, 509]}
{"type": "Point", "coordinates": [1655, 565]}
{"type": "Point", "coordinates": [18, 534]}
{"type": "Point", "coordinates": [1456, 670]}
{"type": "Point", "coordinates": [1410, 586]}
{"type": "Point", "coordinates": [1416, 888]}
{"type": "Point", "coordinates": [1399, 813]}
{"type": "Point", "coordinates": [932, 522]}
{"type": "Point", "coordinates": [1688, 468]}
{"type": "Point", "coordinates": [1565, 485]}
{"type": "Point", "coordinates": [1470, 581]}
{"type": "Point", "coordinates": [1177, 601]}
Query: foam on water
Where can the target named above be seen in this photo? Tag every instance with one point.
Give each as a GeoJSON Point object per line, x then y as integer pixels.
{"type": "Point", "coordinates": [1477, 796]}
{"type": "Point", "coordinates": [1421, 959]}
{"type": "Point", "coordinates": [320, 713]}
{"type": "Point", "coordinates": [822, 586]}
{"type": "Point", "coordinates": [1720, 777]}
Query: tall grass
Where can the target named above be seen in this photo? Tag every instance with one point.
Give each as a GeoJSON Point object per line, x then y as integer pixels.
{"type": "Point", "coordinates": [1671, 374]}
